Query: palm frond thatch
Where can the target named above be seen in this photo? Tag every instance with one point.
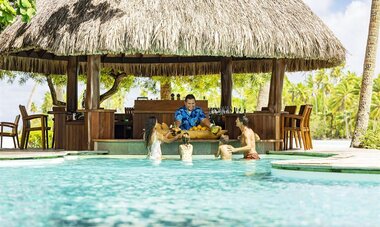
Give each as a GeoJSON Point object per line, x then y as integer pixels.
{"type": "Point", "coordinates": [252, 31]}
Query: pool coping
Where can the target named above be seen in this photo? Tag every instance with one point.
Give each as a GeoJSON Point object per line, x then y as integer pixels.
{"type": "Point", "coordinates": [8, 156]}
{"type": "Point", "coordinates": [357, 161]}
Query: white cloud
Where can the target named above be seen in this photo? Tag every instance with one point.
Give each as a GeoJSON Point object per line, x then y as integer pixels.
{"type": "Point", "coordinates": [320, 7]}
{"type": "Point", "coordinates": [351, 28]}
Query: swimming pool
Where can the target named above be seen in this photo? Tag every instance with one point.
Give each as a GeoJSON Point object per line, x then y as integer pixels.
{"type": "Point", "coordinates": [123, 192]}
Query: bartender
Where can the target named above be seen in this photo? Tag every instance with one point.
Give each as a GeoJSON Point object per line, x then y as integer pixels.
{"type": "Point", "coordinates": [190, 115]}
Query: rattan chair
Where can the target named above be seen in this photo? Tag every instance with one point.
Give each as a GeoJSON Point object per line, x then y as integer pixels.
{"type": "Point", "coordinates": [12, 133]}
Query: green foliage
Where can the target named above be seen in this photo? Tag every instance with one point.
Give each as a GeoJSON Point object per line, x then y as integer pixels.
{"type": "Point", "coordinates": [115, 102]}
{"type": "Point", "coordinates": [7, 13]}
{"type": "Point", "coordinates": [35, 139]}
{"type": "Point", "coordinates": [371, 139]}
{"type": "Point", "coordinates": [375, 104]}
{"type": "Point", "coordinates": [26, 9]}
{"type": "Point", "coordinates": [334, 94]}
{"type": "Point", "coordinates": [12, 8]}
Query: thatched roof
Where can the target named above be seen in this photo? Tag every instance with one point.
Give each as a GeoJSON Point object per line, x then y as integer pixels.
{"type": "Point", "coordinates": [171, 37]}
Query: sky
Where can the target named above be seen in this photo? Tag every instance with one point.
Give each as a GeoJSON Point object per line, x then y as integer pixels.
{"type": "Point", "coordinates": [348, 19]}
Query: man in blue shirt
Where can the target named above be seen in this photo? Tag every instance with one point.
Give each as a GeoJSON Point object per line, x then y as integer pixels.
{"type": "Point", "coordinates": [190, 115]}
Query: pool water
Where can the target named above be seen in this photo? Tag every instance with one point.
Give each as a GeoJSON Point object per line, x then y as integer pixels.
{"type": "Point", "coordinates": [125, 192]}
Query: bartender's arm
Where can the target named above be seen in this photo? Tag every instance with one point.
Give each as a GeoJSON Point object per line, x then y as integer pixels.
{"type": "Point", "coordinates": [177, 118]}
{"type": "Point", "coordinates": [177, 124]}
{"type": "Point", "coordinates": [206, 122]}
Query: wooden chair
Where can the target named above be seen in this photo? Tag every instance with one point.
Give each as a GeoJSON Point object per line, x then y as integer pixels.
{"type": "Point", "coordinates": [287, 122]}
{"type": "Point", "coordinates": [298, 127]}
{"type": "Point", "coordinates": [309, 143]}
{"type": "Point", "coordinates": [27, 128]}
{"type": "Point", "coordinates": [13, 133]}
{"type": "Point", "coordinates": [290, 109]}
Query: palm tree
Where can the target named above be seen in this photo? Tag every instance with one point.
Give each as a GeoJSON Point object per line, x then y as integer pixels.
{"type": "Point", "coordinates": [343, 99]}
{"type": "Point", "coordinates": [367, 81]}
{"type": "Point", "coordinates": [375, 106]}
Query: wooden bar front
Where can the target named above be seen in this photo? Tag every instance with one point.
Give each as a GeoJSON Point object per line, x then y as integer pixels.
{"type": "Point", "coordinates": [163, 110]}
{"type": "Point", "coordinates": [75, 136]}
{"type": "Point", "coordinates": [102, 124]}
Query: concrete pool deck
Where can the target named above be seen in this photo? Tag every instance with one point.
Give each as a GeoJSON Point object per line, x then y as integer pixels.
{"type": "Point", "coordinates": [327, 156]}
{"type": "Point", "coordinates": [332, 156]}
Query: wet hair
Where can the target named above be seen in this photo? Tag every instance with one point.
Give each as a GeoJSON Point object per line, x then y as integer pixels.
{"type": "Point", "coordinates": [189, 96]}
{"type": "Point", "coordinates": [224, 139]}
{"type": "Point", "coordinates": [243, 119]}
{"type": "Point", "coordinates": [185, 139]}
{"type": "Point", "coordinates": [149, 126]}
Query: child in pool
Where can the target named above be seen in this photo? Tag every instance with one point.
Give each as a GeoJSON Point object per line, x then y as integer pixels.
{"type": "Point", "coordinates": [224, 148]}
{"type": "Point", "coordinates": [186, 149]}
{"type": "Point", "coordinates": [153, 139]}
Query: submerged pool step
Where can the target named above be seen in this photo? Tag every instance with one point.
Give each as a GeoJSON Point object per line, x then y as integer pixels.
{"type": "Point", "coordinates": [200, 147]}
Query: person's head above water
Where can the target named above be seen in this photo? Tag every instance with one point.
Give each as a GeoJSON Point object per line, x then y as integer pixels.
{"type": "Point", "coordinates": [242, 120]}
{"type": "Point", "coordinates": [224, 139]}
{"type": "Point", "coordinates": [190, 102]}
{"type": "Point", "coordinates": [150, 125]}
{"type": "Point", "coordinates": [185, 138]}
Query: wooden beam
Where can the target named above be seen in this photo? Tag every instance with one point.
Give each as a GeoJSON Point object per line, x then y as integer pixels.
{"type": "Point", "coordinates": [93, 87]}
{"type": "Point", "coordinates": [72, 84]}
{"type": "Point", "coordinates": [276, 85]}
{"type": "Point", "coordinates": [120, 59]}
{"type": "Point", "coordinates": [226, 82]}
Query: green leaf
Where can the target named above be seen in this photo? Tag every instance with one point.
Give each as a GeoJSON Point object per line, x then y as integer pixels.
{"type": "Point", "coordinates": [30, 12]}
{"type": "Point", "coordinates": [25, 4]}
{"type": "Point", "coordinates": [10, 9]}
{"type": "Point", "coordinates": [22, 11]}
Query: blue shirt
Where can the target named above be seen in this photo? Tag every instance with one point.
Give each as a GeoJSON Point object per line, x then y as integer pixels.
{"type": "Point", "coordinates": [187, 119]}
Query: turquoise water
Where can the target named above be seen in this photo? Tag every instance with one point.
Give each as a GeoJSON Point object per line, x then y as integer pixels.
{"type": "Point", "coordinates": [125, 192]}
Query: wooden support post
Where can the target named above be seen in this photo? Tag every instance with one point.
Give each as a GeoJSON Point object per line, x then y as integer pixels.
{"type": "Point", "coordinates": [280, 73]}
{"type": "Point", "coordinates": [72, 84]}
{"type": "Point", "coordinates": [93, 88]}
{"type": "Point", "coordinates": [276, 85]}
{"type": "Point", "coordinates": [226, 82]}
{"type": "Point", "coordinates": [92, 94]}
{"type": "Point", "coordinates": [275, 97]}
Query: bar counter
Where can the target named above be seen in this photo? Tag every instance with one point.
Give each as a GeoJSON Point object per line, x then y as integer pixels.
{"type": "Point", "coordinates": [163, 110]}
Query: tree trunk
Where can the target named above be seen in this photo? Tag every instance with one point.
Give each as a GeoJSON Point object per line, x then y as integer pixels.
{"type": "Point", "coordinates": [53, 92]}
{"type": "Point", "coordinates": [263, 96]}
{"type": "Point", "coordinates": [29, 103]}
{"type": "Point", "coordinates": [346, 126]}
{"type": "Point", "coordinates": [112, 90]}
{"type": "Point", "coordinates": [165, 90]}
{"type": "Point", "coordinates": [368, 72]}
